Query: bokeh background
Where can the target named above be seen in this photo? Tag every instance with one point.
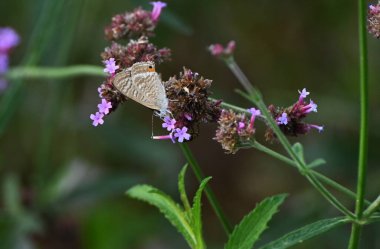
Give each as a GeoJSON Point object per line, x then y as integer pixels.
{"type": "Point", "coordinates": [63, 181]}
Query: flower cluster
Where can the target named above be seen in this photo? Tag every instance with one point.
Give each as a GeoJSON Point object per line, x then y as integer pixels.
{"type": "Point", "coordinates": [136, 51]}
{"type": "Point", "coordinates": [189, 100]}
{"type": "Point", "coordinates": [177, 133]}
{"type": "Point", "coordinates": [8, 39]}
{"type": "Point", "coordinates": [103, 109]}
{"type": "Point", "coordinates": [235, 131]}
{"type": "Point", "coordinates": [222, 52]}
{"type": "Point", "coordinates": [374, 20]}
{"type": "Point", "coordinates": [134, 24]}
{"type": "Point", "coordinates": [138, 24]}
{"type": "Point", "coordinates": [290, 119]}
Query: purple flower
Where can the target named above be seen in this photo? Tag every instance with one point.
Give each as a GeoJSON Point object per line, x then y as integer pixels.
{"type": "Point", "coordinates": [254, 111]}
{"type": "Point", "coordinates": [303, 94]}
{"type": "Point", "coordinates": [374, 9]}
{"type": "Point", "coordinates": [97, 118]}
{"type": "Point", "coordinates": [218, 50]}
{"type": "Point", "coordinates": [164, 137]}
{"type": "Point", "coordinates": [182, 134]}
{"type": "Point", "coordinates": [104, 106]}
{"type": "Point", "coordinates": [169, 123]}
{"type": "Point", "coordinates": [241, 125]}
{"type": "Point", "coordinates": [100, 91]}
{"type": "Point", "coordinates": [312, 107]}
{"type": "Point", "coordinates": [230, 47]}
{"type": "Point", "coordinates": [320, 128]}
{"type": "Point", "coordinates": [3, 63]}
{"type": "Point", "coordinates": [8, 39]}
{"type": "Point", "coordinates": [188, 116]}
{"type": "Point", "coordinates": [283, 119]}
{"type": "Point", "coordinates": [111, 66]}
{"type": "Point", "coordinates": [157, 8]}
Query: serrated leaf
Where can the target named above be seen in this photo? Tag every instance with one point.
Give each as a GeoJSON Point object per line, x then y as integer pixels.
{"type": "Point", "coordinates": [196, 210]}
{"type": "Point", "coordinates": [182, 190]}
{"type": "Point", "coordinates": [298, 149]}
{"type": "Point", "coordinates": [247, 232]}
{"type": "Point", "coordinates": [304, 233]}
{"type": "Point", "coordinates": [316, 163]}
{"type": "Point", "coordinates": [168, 207]}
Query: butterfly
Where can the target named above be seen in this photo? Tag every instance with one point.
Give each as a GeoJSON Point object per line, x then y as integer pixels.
{"type": "Point", "coordinates": [142, 83]}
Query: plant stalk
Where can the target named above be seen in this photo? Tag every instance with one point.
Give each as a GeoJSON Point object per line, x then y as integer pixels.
{"type": "Point", "coordinates": [209, 193]}
{"type": "Point", "coordinates": [363, 140]}
{"type": "Point", "coordinates": [320, 176]}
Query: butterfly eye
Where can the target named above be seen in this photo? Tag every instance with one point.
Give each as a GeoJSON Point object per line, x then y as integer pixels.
{"type": "Point", "coordinates": [151, 69]}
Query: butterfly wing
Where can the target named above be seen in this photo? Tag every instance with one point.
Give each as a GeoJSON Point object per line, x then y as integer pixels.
{"type": "Point", "coordinates": [145, 88]}
{"type": "Point", "coordinates": [152, 89]}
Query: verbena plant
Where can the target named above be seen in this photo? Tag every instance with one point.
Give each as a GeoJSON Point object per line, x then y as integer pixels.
{"type": "Point", "coordinates": [190, 105]}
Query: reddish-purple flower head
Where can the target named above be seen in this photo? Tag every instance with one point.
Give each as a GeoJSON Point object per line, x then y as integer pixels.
{"type": "Point", "coordinates": [219, 51]}
{"type": "Point", "coordinates": [157, 8]}
{"type": "Point", "coordinates": [374, 9]}
{"type": "Point", "coordinates": [8, 39]}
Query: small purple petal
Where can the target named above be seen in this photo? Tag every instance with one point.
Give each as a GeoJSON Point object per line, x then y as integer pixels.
{"type": "Point", "coordinates": [104, 106]}
{"type": "Point", "coordinates": [283, 119]}
{"type": "Point", "coordinates": [182, 134]}
{"type": "Point", "coordinates": [157, 8]}
{"type": "Point", "coordinates": [320, 128]}
{"type": "Point", "coordinates": [216, 49]}
{"type": "Point", "coordinates": [254, 111]}
{"type": "Point", "coordinates": [169, 123]}
{"type": "Point", "coordinates": [97, 119]}
{"type": "Point", "coordinates": [8, 39]}
{"type": "Point", "coordinates": [303, 94]}
{"type": "Point", "coordinates": [111, 66]}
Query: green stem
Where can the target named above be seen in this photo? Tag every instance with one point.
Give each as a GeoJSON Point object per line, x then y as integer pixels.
{"type": "Point", "coordinates": [363, 141]}
{"type": "Point", "coordinates": [372, 208]}
{"type": "Point", "coordinates": [320, 176]}
{"type": "Point", "coordinates": [209, 193]}
{"type": "Point", "coordinates": [54, 72]}
{"type": "Point", "coordinates": [233, 66]}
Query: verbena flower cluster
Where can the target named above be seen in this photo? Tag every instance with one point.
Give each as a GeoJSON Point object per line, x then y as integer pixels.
{"type": "Point", "coordinates": [188, 93]}
{"type": "Point", "coordinates": [137, 24]}
{"type": "Point", "coordinates": [374, 20]}
{"type": "Point", "coordinates": [8, 39]}
{"type": "Point", "coordinates": [235, 131]}
{"type": "Point", "coordinates": [290, 119]}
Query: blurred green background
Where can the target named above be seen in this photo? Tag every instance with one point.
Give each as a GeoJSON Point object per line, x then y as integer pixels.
{"type": "Point", "coordinates": [63, 181]}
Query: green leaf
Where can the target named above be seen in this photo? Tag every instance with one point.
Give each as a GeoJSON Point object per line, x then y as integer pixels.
{"type": "Point", "coordinates": [316, 163]}
{"type": "Point", "coordinates": [247, 232]}
{"type": "Point", "coordinates": [304, 233]}
{"type": "Point", "coordinates": [168, 207]}
{"type": "Point", "coordinates": [182, 189]}
{"type": "Point", "coordinates": [298, 149]}
{"type": "Point", "coordinates": [196, 211]}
